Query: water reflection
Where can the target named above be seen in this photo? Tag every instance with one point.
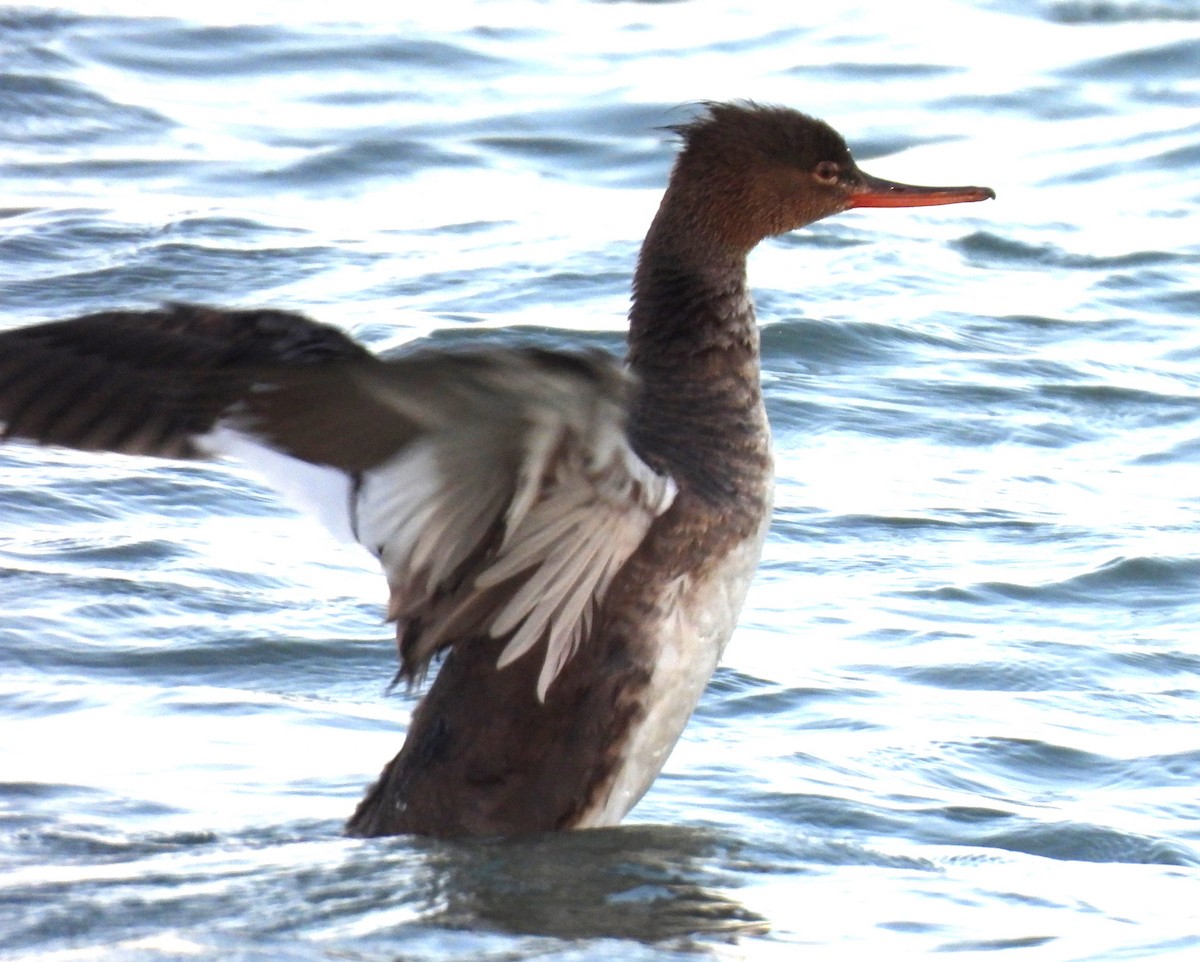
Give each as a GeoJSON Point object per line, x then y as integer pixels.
{"type": "Point", "coordinates": [647, 883]}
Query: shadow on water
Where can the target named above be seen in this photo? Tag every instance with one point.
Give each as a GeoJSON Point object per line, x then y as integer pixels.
{"type": "Point", "coordinates": [645, 883]}
{"type": "Point", "coordinates": [301, 884]}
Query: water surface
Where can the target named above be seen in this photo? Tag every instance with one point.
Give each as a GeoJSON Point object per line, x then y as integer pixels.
{"type": "Point", "coordinates": [961, 713]}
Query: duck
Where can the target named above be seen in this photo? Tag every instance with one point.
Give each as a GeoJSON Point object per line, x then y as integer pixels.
{"type": "Point", "coordinates": [570, 535]}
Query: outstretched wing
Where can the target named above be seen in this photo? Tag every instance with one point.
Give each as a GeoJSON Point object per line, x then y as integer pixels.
{"type": "Point", "coordinates": [147, 382]}
{"type": "Point", "coordinates": [498, 489]}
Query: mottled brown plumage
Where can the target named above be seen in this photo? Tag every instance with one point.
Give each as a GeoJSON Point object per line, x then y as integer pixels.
{"type": "Point", "coordinates": [576, 538]}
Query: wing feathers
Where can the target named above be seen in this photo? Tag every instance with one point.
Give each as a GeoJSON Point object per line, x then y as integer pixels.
{"type": "Point", "coordinates": [148, 382]}
{"type": "Point", "coordinates": [518, 527]}
{"type": "Point", "coordinates": [498, 490]}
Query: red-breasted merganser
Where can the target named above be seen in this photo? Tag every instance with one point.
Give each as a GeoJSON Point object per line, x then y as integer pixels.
{"type": "Point", "coordinates": [577, 535]}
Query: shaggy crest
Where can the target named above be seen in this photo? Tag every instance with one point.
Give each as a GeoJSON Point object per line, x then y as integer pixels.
{"type": "Point", "coordinates": [736, 131]}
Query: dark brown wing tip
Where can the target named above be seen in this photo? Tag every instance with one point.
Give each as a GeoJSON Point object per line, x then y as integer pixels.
{"type": "Point", "coordinates": [149, 382]}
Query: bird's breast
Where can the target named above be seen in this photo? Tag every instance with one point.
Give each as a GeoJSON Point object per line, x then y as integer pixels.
{"type": "Point", "coordinates": [693, 618]}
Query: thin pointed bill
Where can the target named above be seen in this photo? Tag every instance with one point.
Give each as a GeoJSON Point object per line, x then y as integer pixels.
{"type": "Point", "coordinates": [875, 192]}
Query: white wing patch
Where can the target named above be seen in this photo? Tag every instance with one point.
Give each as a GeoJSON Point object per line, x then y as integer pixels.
{"type": "Point", "coordinates": [583, 516]}
{"type": "Point", "coordinates": [424, 512]}
{"type": "Point", "coordinates": [322, 491]}
{"type": "Point", "coordinates": [508, 513]}
{"type": "Point", "coordinates": [543, 500]}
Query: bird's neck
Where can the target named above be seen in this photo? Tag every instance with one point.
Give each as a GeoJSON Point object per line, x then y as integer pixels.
{"type": "Point", "coordinates": [694, 346]}
{"type": "Point", "coordinates": [691, 305]}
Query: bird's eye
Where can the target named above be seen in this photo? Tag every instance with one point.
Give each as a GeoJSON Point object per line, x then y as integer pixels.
{"type": "Point", "coordinates": [827, 172]}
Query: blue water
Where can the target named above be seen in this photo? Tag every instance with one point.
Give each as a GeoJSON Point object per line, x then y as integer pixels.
{"type": "Point", "coordinates": [961, 715]}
